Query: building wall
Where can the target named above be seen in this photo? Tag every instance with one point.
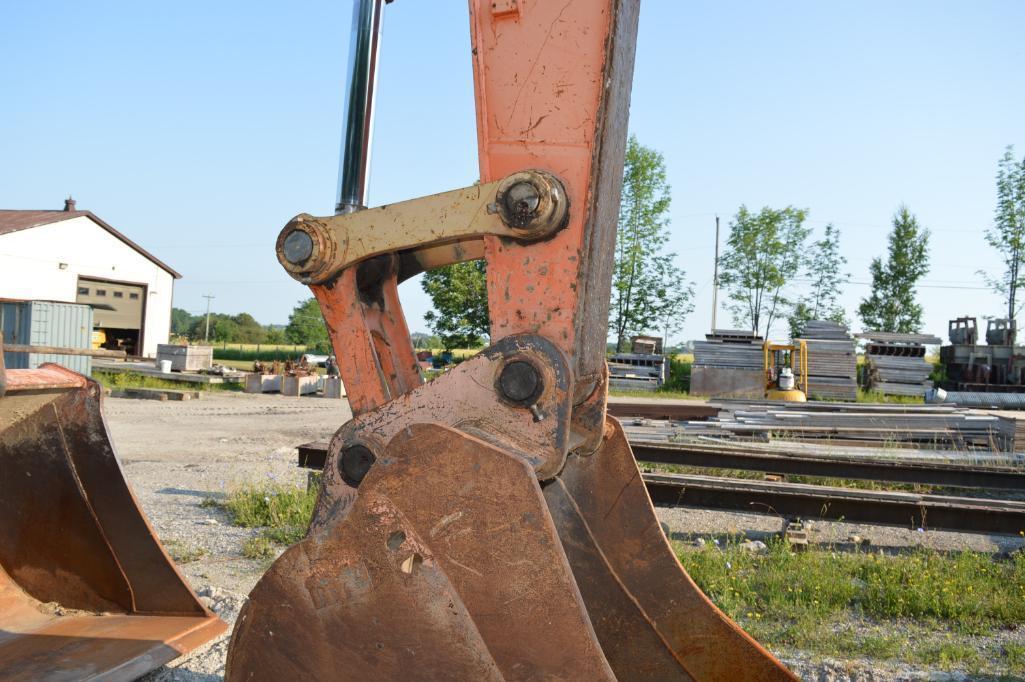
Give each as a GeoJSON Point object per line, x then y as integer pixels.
{"type": "Point", "coordinates": [30, 269]}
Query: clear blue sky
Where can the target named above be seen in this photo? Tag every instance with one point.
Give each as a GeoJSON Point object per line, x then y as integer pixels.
{"type": "Point", "coordinates": [200, 128]}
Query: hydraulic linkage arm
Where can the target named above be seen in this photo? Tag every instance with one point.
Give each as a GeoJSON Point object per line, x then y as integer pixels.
{"type": "Point", "coordinates": [491, 524]}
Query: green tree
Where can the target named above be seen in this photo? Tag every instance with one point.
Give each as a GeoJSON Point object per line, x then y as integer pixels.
{"type": "Point", "coordinates": [764, 252]}
{"type": "Point", "coordinates": [648, 290]}
{"type": "Point", "coordinates": [891, 305]}
{"type": "Point", "coordinates": [306, 326]}
{"type": "Point", "coordinates": [460, 298]}
{"type": "Point", "coordinates": [275, 335]}
{"type": "Point", "coordinates": [1007, 235]}
{"type": "Point", "coordinates": [248, 329]}
{"type": "Point", "coordinates": [181, 321]}
{"type": "Point", "coordinates": [824, 270]}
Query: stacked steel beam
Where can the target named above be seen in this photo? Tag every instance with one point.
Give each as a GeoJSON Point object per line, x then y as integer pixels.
{"type": "Point", "coordinates": [887, 426]}
{"type": "Point", "coordinates": [729, 348]}
{"type": "Point", "coordinates": [832, 361]}
{"type": "Point", "coordinates": [895, 363]}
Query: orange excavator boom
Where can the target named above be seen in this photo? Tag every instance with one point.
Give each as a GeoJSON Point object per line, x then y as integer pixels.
{"type": "Point", "coordinates": [491, 523]}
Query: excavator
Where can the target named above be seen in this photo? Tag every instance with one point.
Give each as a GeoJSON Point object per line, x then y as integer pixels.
{"type": "Point", "coordinates": [490, 524]}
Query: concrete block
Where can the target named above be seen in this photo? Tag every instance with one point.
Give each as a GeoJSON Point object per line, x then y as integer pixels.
{"type": "Point", "coordinates": [297, 386]}
{"type": "Point", "coordinates": [263, 383]}
{"type": "Point", "coordinates": [333, 387]}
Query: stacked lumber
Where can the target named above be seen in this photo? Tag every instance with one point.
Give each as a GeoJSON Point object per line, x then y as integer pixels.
{"type": "Point", "coordinates": [832, 361]}
{"type": "Point", "coordinates": [895, 363]}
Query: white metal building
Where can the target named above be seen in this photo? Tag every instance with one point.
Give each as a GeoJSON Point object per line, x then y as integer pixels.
{"type": "Point", "coordinates": [75, 257]}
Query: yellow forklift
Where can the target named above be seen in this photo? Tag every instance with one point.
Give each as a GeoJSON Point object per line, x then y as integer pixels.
{"type": "Point", "coordinates": [786, 371]}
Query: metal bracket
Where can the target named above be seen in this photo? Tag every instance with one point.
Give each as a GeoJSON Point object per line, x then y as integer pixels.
{"type": "Point", "coordinates": [469, 398]}
{"type": "Point", "coordinates": [525, 206]}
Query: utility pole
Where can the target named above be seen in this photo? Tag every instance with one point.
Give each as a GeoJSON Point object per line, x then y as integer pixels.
{"type": "Point", "coordinates": [206, 335]}
{"type": "Point", "coordinates": [715, 275]}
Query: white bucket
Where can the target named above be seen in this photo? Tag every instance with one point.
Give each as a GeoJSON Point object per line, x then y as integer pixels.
{"type": "Point", "coordinates": [165, 366]}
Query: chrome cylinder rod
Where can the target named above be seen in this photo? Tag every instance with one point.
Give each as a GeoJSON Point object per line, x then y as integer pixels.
{"type": "Point", "coordinates": [361, 82]}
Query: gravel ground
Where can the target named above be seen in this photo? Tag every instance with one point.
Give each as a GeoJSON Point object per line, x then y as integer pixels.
{"type": "Point", "coordinates": [176, 454]}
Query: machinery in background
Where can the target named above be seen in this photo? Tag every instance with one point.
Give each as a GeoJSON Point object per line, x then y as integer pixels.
{"type": "Point", "coordinates": [998, 366]}
{"type": "Point", "coordinates": [786, 371]}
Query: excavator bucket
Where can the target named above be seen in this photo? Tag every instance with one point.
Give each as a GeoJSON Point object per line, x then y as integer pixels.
{"type": "Point", "coordinates": [86, 589]}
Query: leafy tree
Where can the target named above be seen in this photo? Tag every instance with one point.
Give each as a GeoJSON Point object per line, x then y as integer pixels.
{"type": "Point", "coordinates": [824, 269]}
{"type": "Point", "coordinates": [460, 298]}
{"type": "Point", "coordinates": [648, 290]}
{"type": "Point", "coordinates": [674, 296]}
{"type": "Point", "coordinates": [306, 326]}
{"type": "Point", "coordinates": [181, 321]}
{"type": "Point", "coordinates": [249, 330]}
{"type": "Point", "coordinates": [1007, 235]}
{"type": "Point", "coordinates": [891, 305]}
{"type": "Point", "coordinates": [763, 254]}
{"type": "Point", "coordinates": [222, 328]}
{"type": "Point", "coordinates": [275, 335]}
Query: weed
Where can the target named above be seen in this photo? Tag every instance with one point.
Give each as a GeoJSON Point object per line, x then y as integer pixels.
{"type": "Point", "coordinates": [282, 511]}
{"type": "Point", "coordinates": [259, 547]}
{"type": "Point", "coordinates": [948, 655]}
{"type": "Point", "coordinates": [270, 505]}
{"type": "Point", "coordinates": [1014, 655]}
{"type": "Point", "coordinates": [183, 552]}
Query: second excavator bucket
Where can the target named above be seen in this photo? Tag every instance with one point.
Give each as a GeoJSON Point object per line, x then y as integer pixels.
{"type": "Point", "coordinates": [86, 589]}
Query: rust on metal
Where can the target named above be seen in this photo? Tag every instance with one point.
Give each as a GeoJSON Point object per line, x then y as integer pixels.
{"type": "Point", "coordinates": [492, 523]}
{"type": "Point", "coordinates": [86, 589]}
{"type": "Point", "coordinates": [433, 574]}
{"type": "Point", "coordinates": [652, 620]}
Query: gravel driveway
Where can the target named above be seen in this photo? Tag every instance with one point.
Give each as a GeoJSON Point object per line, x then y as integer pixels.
{"type": "Point", "coordinates": [176, 454]}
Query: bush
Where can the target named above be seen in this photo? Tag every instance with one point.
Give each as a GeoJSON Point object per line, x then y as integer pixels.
{"type": "Point", "coordinates": [679, 376]}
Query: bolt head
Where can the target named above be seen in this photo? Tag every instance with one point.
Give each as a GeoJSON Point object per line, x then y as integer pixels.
{"type": "Point", "coordinates": [355, 462]}
{"type": "Point", "coordinates": [521, 201]}
{"type": "Point", "coordinates": [520, 382]}
{"type": "Point", "coordinates": [298, 247]}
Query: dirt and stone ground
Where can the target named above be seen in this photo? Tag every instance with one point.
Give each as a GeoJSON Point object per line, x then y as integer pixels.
{"type": "Point", "coordinates": [177, 454]}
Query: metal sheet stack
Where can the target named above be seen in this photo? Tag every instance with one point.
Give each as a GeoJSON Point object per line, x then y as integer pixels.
{"type": "Point", "coordinates": [832, 361]}
{"type": "Point", "coordinates": [729, 348]}
{"type": "Point", "coordinates": [887, 426]}
{"type": "Point", "coordinates": [896, 364]}
{"type": "Point", "coordinates": [728, 363]}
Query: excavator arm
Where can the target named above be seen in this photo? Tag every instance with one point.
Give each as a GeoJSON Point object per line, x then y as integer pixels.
{"type": "Point", "coordinates": [491, 523]}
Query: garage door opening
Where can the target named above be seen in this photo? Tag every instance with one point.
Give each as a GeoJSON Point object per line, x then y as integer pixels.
{"type": "Point", "coordinates": [119, 310]}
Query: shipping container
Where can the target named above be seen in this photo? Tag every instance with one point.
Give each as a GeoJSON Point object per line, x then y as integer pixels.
{"type": "Point", "coordinates": [46, 323]}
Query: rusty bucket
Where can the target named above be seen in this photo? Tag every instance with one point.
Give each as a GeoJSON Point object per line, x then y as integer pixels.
{"type": "Point", "coordinates": [86, 589]}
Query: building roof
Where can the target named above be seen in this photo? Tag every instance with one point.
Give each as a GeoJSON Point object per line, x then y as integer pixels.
{"type": "Point", "coordinates": [14, 221]}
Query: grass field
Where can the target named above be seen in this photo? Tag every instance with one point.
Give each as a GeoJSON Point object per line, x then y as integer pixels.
{"type": "Point", "coordinates": [922, 607]}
